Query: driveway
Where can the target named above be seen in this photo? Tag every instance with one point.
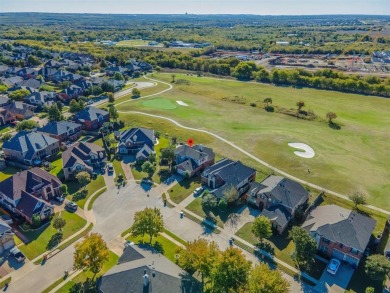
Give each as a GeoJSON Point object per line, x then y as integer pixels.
{"type": "Point", "coordinates": [335, 283]}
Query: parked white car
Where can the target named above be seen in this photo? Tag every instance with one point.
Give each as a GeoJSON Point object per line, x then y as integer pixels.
{"type": "Point", "coordinates": [333, 266]}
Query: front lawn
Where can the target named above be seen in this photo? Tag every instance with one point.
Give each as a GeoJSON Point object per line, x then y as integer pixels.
{"type": "Point", "coordinates": [4, 129]}
{"type": "Point", "coordinates": [159, 243]}
{"type": "Point", "coordinates": [79, 198]}
{"type": "Point", "coordinates": [8, 172]}
{"type": "Point", "coordinates": [79, 284]}
{"type": "Point", "coordinates": [47, 238]}
{"type": "Point", "coordinates": [56, 166]}
{"type": "Point", "coordinates": [118, 167]}
{"type": "Point", "coordinates": [360, 281]}
{"type": "Point", "coordinates": [184, 189]}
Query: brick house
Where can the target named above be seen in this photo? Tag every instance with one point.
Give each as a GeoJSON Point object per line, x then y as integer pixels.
{"type": "Point", "coordinates": [279, 199]}
{"type": "Point", "coordinates": [137, 141]}
{"type": "Point", "coordinates": [340, 233]}
{"type": "Point", "coordinates": [92, 118]}
{"type": "Point", "coordinates": [82, 156]}
{"type": "Point", "coordinates": [27, 193]}
{"type": "Point", "coordinates": [62, 130]}
{"type": "Point", "coordinates": [30, 148]}
{"type": "Point", "coordinates": [225, 174]}
{"type": "Point", "coordinates": [192, 160]}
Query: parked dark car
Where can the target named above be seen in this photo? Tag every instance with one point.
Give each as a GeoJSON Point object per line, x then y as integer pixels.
{"type": "Point", "coordinates": [71, 206]}
{"type": "Point", "coordinates": [17, 254]}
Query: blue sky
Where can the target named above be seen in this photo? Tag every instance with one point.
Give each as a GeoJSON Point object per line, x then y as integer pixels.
{"type": "Point", "coordinates": [261, 7]}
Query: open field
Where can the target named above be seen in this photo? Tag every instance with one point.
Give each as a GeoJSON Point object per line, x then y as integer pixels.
{"type": "Point", "coordinates": [135, 43]}
{"type": "Point", "coordinates": [352, 158]}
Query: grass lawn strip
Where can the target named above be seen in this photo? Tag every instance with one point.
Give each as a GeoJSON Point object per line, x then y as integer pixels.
{"type": "Point", "coordinates": [343, 157]}
{"type": "Point", "coordinates": [99, 193]}
{"type": "Point", "coordinates": [8, 172]}
{"type": "Point", "coordinates": [40, 238]}
{"type": "Point", "coordinates": [73, 188]}
{"type": "Point", "coordinates": [82, 277]}
{"type": "Point", "coordinates": [183, 189]}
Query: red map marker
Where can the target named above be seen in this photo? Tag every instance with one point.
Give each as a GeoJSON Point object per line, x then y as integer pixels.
{"type": "Point", "coordinates": [190, 142]}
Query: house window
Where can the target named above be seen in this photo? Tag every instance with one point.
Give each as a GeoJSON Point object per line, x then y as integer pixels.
{"type": "Point", "coordinates": [324, 249]}
{"type": "Point", "coordinates": [327, 241]}
{"type": "Point", "coordinates": [341, 245]}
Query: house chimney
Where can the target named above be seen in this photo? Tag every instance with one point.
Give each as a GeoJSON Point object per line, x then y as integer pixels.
{"type": "Point", "coordinates": [201, 147]}
{"type": "Point", "coordinates": [146, 279]}
{"type": "Point", "coordinates": [154, 274]}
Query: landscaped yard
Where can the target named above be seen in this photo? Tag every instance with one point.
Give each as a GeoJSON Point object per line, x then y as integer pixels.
{"type": "Point", "coordinates": [4, 129]}
{"type": "Point", "coordinates": [56, 164]}
{"type": "Point", "coordinates": [159, 243]}
{"type": "Point", "coordinates": [45, 239]}
{"type": "Point", "coordinates": [79, 280]}
{"type": "Point", "coordinates": [74, 188]}
{"type": "Point", "coordinates": [184, 188]}
{"type": "Point", "coordinates": [343, 157]}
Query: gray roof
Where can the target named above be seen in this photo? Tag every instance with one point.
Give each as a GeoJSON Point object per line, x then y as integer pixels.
{"type": "Point", "coordinates": [4, 227]}
{"type": "Point", "coordinates": [90, 114]}
{"type": "Point", "coordinates": [80, 152]}
{"type": "Point", "coordinates": [196, 152]}
{"type": "Point", "coordinates": [277, 214]}
{"type": "Point", "coordinates": [164, 276]}
{"type": "Point", "coordinates": [137, 135]}
{"type": "Point", "coordinates": [341, 225]}
{"type": "Point", "coordinates": [58, 128]}
{"type": "Point", "coordinates": [289, 193]}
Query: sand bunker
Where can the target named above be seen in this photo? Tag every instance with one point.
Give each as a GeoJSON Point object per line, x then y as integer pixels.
{"type": "Point", "coordinates": [306, 151]}
{"type": "Point", "coordinates": [181, 103]}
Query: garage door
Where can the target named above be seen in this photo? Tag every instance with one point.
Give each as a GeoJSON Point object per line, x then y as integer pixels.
{"type": "Point", "coordinates": [351, 260]}
{"type": "Point", "coordinates": [338, 254]}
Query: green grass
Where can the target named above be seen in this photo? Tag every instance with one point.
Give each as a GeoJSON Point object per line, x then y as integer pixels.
{"type": "Point", "coordinates": [164, 104]}
{"type": "Point", "coordinates": [82, 277]}
{"type": "Point", "coordinates": [73, 188]}
{"type": "Point", "coordinates": [174, 236]}
{"type": "Point", "coordinates": [57, 166]}
{"type": "Point", "coordinates": [55, 284]}
{"type": "Point", "coordinates": [40, 239]}
{"type": "Point", "coordinates": [183, 189]}
{"type": "Point", "coordinates": [160, 243]}
{"type": "Point", "coordinates": [95, 198]}
{"type": "Point", "coordinates": [345, 160]}
{"type": "Point", "coordinates": [118, 167]}
{"type": "Point", "coordinates": [8, 172]}
{"type": "Point", "coordinates": [2, 284]}
{"type": "Point", "coordinates": [4, 129]}
{"type": "Point", "coordinates": [278, 245]}
{"type": "Point", "coordinates": [360, 281]}
{"type": "Point", "coordinates": [132, 43]}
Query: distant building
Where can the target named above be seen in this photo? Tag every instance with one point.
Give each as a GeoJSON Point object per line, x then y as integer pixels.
{"type": "Point", "coordinates": [282, 43]}
{"type": "Point", "coordinates": [92, 118]}
{"type": "Point", "coordinates": [192, 160]}
{"type": "Point", "coordinates": [62, 130]}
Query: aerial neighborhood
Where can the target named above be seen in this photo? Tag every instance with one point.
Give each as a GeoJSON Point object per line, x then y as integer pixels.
{"type": "Point", "coordinates": [152, 177]}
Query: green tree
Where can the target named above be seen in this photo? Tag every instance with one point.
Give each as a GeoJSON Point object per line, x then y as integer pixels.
{"type": "Point", "coordinates": [91, 253]}
{"type": "Point", "coordinates": [36, 220]}
{"type": "Point", "coordinates": [27, 125]}
{"type": "Point", "coordinates": [64, 189]}
{"type": "Point", "coordinates": [76, 106]}
{"type": "Point", "coordinates": [149, 168]}
{"type": "Point", "coordinates": [230, 271]}
{"type": "Point", "coordinates": [33, 61]}
{"type": "Point", "coordinates": [243, 71]}
{"type": "Point", "coordinates": [54, 114]}
{"type": "Point", "coordinates": [3, 88]}
{"type": "Point", "coordinates": [173, 78]}
{"type": "Point", "coordinates": [168, 155]}
{"type": "Point", "coordinates": [83, 178]}
{"type": "Point", "coordinates": [107, 87]}
{"type": "Point", "coordinates": [19, 95]}
{"type": "Point", "coordinates": [222, 204]}
{"type": "Point", "coordinates": [268, 101]}
{"type": "Point", "coordinates": [118, 76]}
{"type": "Point", "coordinates": [148, 221]}
{"type": "Point", "coordinates": [113, 112]}
{"type": "Point", "coordinates": [209, 202]}
{"type": "Point", "coordinates": [377, 267]}
{"type": "Point", "coordinates": [230, 194]}
{"type": "Point", "coordinates": [370, 290]}
{"type": "Point", "coordinates": [136, 93]}
{"type": "Point", "coordinates": [261, 228]}
{"type": "Point", "coordinates": [358, 198]}
{"type": "Point", "coordinates": [59, 224]}
{"type": "Point", "coordinates": [111, 98]}
{"type": "Point", "coordinates": [305, 247]}
{"type": "Point", "coordinates": [300, 105]}
{"type": "Point", "coordinates": [330, 116]}
{"type": "Point", "coordinates": [198, 255]}
{"type": "Point", "coordinates": [46, 88]}
{"type": "Point", "coordinates": [262, 279]}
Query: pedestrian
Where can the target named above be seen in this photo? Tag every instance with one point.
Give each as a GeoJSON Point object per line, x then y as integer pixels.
{"type": "Point", "coordinates": [308, 170]}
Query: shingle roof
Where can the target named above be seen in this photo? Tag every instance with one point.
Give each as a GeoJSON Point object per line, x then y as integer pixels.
{"type": "Point", "coordinates": [145, 152]}
{"type": "Point", "coordinates": [235, 173]}
{"type": "Point", "coordinates": [284, 190]}
{"type": "Point", "coordinates": [188, 165]}
{"type": "Point", "coordinates": [341, 225]}
{"type": "Point", "coordinates": [130, 254]}
{"type": "Point", "coordinates": [58, 128]}
{"type": "Point", "coordinates": [196, 152]}
{"type": "Point", "coordinates": [137, 135]}
{"type": "Point", "coordinates": [164, 276]}
{"type": "Point", "coordinates": [4, 227]}
{"type": "Point", "coordinates": [90, 114]}
{"type": "Point", "coordinates": [79, 153]}
{"type": "Point", "coordinates": [29, 204]}
{"type": "Point", "coordinates": [29, 142]}
{"type": "Point", "coordinates": [277, 214]}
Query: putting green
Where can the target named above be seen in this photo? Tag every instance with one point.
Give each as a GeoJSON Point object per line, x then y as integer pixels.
{"type": "Point", "coordinates": [163, 104]}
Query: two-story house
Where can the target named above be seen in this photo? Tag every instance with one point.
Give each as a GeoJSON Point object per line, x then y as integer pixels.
{"type": "Point", "coordinates": [27, 193]}
{"type": "Point", "coordinates": [40, 98]}
{"type": "Point", "coordinates": [226, 174]}
{"type": "Point", "coordinates": [30, 148]}
{"type": "Point", "coordinates": [82, 156]}
{"type": "Point", "coordinates": [279, 199]}
{"type": "Point", "coordinates": [6, 237]}
{"type": "Point", "coordinates": [137, 141]}
{"type": "Point", "coordinates": [92, 118]}
{"type": "Point", "coordinates": [18, 110]}
{"type": "Point", "coordinates": [71, 92]}
{"type": "Point", "coordinates": [340, 233]}
{"type": "Point", "coordinates": [192, 160]}
{"type": "Point", "coordinates": [62, 130]}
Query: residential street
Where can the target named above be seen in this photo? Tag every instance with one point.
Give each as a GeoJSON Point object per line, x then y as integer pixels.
{"type": "Point", "coordinates": [114, 211]}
